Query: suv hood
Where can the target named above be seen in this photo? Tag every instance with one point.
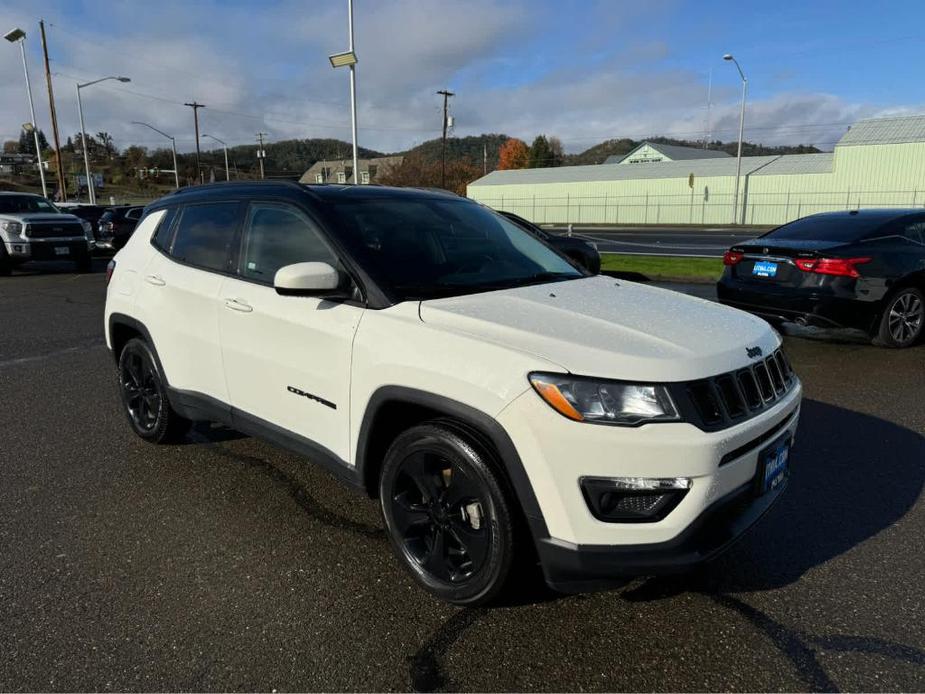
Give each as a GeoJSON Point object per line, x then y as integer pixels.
{"type": "Point", "coordinates": [42, 217]}
{"type": "Point", "coordinates": [609, 328]}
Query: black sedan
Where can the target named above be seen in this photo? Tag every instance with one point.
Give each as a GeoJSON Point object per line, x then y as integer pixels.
{"type": "Point", "coordinates": [860, 269]}
{"type": "Point", "coordinates": [580, 252]}
{"type": "Point", "coordinates": [117, 225]}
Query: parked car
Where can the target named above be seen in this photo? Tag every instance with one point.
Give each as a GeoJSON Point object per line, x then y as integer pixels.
{"type": "Point", "coordinates": [581, 252]}
{"type": "Point", "coordinates": [88, 213]}
{"type": "Point", "coordinates": [860, 269]}
{"type": "Point", "coordinates": [32, 229]}
{"type": "Point", "coordinates": [498, 401]}
{"type": "Point", "coordinates": [116, 226]}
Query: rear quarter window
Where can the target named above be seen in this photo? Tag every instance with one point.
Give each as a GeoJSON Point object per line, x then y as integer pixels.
{"type": "Point", "coordinates": [161, 236]}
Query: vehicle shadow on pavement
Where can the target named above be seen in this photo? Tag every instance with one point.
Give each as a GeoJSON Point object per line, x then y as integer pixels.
{"type": "Point", "coordinates": [853, 476]}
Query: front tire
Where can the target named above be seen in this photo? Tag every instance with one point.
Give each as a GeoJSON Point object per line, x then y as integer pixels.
{"type": "Point", "coordinates": [144, 396]}
{"type": "Point", "coordinates": [903, 319]}
{"type": "Point", "coordinates": [446, 514]}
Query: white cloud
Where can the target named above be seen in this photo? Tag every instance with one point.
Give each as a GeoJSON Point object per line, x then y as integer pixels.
{"type": "Point", "coordinates": [264, 67]}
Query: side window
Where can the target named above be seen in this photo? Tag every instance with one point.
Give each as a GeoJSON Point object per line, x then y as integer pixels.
{"type": "Point", "coordinates": [161, 236]}
{"type": "Point", "coordinates": [276, 235]}
{"type": "Point", "coordinates": [915, 231]}
{"type": "Point", "coordinates": [204, 234]}
{"type": "Point", "coordinates": [341, 177]}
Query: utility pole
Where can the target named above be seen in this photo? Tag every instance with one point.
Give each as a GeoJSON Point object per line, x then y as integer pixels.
{"type": "Point", "coordinates": [62, 184]}
{"type": "Point", "coordinates": [484, 159]}
{"type": "Point", "coordinates": [196, 106]}
{"type": "Point", "coordinates": [261, 153]}
{"type": "Point", "coordinates": [446, 95]}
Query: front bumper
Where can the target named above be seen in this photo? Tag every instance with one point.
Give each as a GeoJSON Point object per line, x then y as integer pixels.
{"type": "Point", "coordinates": [74, 248]}
{"type": "Point", "coordinates": [580, 550]}
{"type": "Point", "coordinates": [575, 568]}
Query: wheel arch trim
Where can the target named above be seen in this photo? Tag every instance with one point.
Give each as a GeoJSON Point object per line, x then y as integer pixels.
{"type": "Point", "coordinates": [483, 424]}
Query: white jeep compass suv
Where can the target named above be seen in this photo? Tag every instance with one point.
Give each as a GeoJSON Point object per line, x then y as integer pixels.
{"type": "Point", "coordinates": [503, 405]}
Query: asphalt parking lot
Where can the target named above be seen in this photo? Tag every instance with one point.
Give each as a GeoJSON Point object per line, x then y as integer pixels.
{"type": "Point", "coordinates": [227, 564]}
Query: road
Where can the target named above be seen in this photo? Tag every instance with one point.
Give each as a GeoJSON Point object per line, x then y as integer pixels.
{"type": "Point", "coordinates": [228, 564]}
{"type": "Point", "coordinates": [673, 241]}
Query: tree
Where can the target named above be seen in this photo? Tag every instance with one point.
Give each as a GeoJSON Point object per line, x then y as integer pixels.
{"type": "Point", "coordinates": [513, 154]}
{"type": "Point", "coordinates": [106, 143]}
{"type": "Point", "coordinates": [556, 150]}
{"type": "Point", "coordinates": [540, 153]}
{"type": "Point", "coordinates": [417, 171]}
{"type": "Point", "coordinates": [27, 142]}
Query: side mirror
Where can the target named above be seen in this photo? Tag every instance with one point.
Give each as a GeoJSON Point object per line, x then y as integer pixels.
{"type": "Point", "coordinates": [309, 279]}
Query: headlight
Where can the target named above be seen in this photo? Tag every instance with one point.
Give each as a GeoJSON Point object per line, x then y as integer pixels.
{"type": "Point", "coordinates": [11, 227]}
{"type": "Point", "coordinates": [88, 228]}
{"type": "Point", "coordinates": [604, 402]}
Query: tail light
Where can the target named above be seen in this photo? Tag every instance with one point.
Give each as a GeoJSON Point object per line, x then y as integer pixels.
{"type": "Point", "coordinates": [732, 257]}
{"type": "Point", "coordinates": [841, 267]}
{"type": "Point", "coordinates": [109, 270]}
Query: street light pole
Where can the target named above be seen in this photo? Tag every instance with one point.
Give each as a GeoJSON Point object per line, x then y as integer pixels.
{"type": "Point", "coordinates": [83, 131]}
{"type": "Point", "coordinates": [173, 144]}
{"type": "Point", "coordinates": [735, 202]}
{"type": "Point", "coordinates": [225, 148]}
{"type": "Point", "coordinates": [353, 95]}
{"type": "Point", "coordinates": [349, 59]}
{"type": "Point", "coordinates": [19, 36]}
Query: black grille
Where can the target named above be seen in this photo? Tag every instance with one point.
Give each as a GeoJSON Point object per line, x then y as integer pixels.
{"type": "Point", "coordinates": [724, 400]}
{"type": "Point", "coordinates": [54, 230]}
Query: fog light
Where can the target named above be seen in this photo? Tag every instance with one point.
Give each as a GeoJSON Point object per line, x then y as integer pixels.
{"type": "Point", "coordinates": [633, 499]}
{"type": "Point", "coordinates": [17, 248]}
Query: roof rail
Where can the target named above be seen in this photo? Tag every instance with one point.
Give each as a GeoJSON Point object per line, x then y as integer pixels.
{"type": "Point", "coordinates": [224, 184]}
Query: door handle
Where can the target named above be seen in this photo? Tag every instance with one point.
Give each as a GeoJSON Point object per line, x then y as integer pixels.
{"type": "Point", "coordinates": [156, 280]}
{"type": "Point", "coordinates": [238, 305]}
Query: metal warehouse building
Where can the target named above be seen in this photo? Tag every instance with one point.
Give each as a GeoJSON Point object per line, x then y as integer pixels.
{"type": "Point", "coordinates": [879, 162]}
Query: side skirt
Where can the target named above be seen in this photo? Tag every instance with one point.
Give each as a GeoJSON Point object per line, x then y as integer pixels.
{"type": "Point", "coordinates": [202, 408]}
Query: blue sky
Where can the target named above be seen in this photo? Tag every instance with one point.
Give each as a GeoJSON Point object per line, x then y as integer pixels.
{"type": "Point", "coordinates": [582, 71]}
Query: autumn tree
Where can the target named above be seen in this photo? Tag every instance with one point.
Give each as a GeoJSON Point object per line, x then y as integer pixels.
{"type": "Point", "coordinates": [417, 171]}
{"type": "Point", "coordinates": [513, 154]}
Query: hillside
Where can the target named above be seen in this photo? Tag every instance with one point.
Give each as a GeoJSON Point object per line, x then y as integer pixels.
{"type": "Point", "coordinates": [470, 148]}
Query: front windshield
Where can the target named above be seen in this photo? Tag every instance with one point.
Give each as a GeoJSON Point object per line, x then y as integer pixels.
{"type": "Point", "coordinates": [24, 204]}
{"type": "Point", "coordinates": [421, 248]}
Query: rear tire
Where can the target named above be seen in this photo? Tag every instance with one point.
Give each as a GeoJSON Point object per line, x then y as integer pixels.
{"type": "Point", "coordinates": [144, 396]}
{"type": "Point", "coordinates": [903, 319]}
{"type": "Point", "coordinates": [446, 514]}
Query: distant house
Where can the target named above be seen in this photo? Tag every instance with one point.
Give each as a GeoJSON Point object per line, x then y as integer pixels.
{"type": "Point", "coordinates": [341, 170]}
{"type": "Point", "coordinates": [648, 152]}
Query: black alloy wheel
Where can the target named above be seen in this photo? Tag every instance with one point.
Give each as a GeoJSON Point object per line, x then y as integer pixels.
{"type": "Point", "coordinates": [144, 395]}
{"type": "Point", "coordinates": [903, 320]}
{"type": "Point", "coordinates": [446, 514]}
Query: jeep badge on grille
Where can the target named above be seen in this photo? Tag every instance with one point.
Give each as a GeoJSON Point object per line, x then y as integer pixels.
{"type": "Point", "coordinates": [753, 352]}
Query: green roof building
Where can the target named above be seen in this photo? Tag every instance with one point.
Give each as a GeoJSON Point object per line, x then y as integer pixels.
{"type": "Point", "coordinates": [879, 162]}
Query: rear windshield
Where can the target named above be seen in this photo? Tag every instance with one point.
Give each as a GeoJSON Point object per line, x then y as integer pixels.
{"type": "Point", "coordinates": [840, 228]}
{"type": "Point", "coordinates": [20, 204]}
